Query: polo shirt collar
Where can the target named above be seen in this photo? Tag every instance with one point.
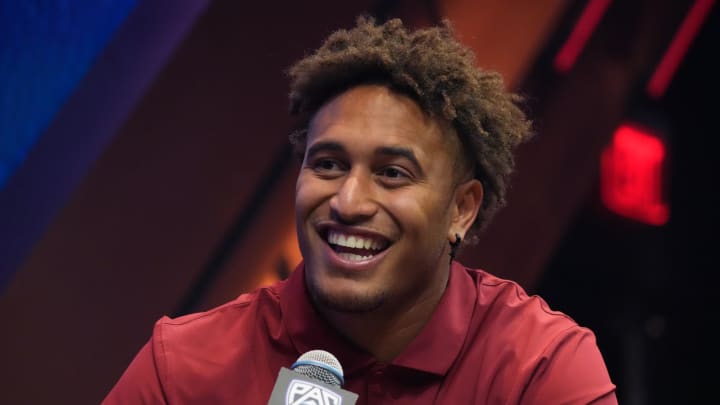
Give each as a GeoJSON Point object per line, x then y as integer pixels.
{"type": "Point", "coordinates": [439, 343]}
{"type": "Point", "coordinates": [432, 351]}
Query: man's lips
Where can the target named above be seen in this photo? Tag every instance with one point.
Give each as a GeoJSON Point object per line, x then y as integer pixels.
{"type": "Point", "coordinates": [353, 248]}
{"type": "Point", "coordinates": [351, 261]}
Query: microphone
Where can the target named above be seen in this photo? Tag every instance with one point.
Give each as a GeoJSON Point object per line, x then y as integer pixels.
{"type": "Point", "coordinates": [315, 378]}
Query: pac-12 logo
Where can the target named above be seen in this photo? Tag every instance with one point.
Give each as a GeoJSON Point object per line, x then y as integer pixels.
{"type": "Point", "coordinates": [304, 393]}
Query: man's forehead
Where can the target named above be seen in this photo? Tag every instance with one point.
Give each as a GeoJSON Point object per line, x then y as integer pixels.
{"type": "Point", "coordinates": [378, 107]}
{"type": "Point", "coordinates": [358, 102]}
{"type": "Point", "coordinates": [364, 110]}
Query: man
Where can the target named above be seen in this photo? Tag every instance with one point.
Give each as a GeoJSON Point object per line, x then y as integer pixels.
{"type": "Point", "coordinates": [406, 150]}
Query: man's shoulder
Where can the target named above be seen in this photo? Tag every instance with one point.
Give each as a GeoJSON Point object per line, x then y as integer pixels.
{"type": "Point", "coordinates": [508, 299]}
{"type": "Point", "coordinates": [512, 324]}
{"type": "Point", "coordinates": [529, 349]}
{"type": "Point", "coordinates": [205, 354]}
{"type": "Point", "coordinates": [260, 305]}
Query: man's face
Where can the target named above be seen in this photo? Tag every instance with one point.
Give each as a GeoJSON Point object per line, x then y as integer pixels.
{"type": "Point", "coordinates": [374, 202]}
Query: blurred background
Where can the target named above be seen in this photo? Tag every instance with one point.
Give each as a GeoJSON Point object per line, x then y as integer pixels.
{"type": "Point", "coordinates": [145, 171]}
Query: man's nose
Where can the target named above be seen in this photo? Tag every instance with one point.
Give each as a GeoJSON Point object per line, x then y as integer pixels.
{"type": "Point", "coordinates": [354, 201]}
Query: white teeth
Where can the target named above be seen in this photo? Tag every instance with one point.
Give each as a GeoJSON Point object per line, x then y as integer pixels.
{"type": "Point", "coordinates": [353, 257]}
{"type": "Point", "coordinates": [353, 241]}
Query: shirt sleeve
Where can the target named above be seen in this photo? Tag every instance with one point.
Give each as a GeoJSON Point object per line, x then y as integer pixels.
{"type": "Point", "coordinates": [571, 371]}
{"type": "Point", "coordinates": [141, 381]}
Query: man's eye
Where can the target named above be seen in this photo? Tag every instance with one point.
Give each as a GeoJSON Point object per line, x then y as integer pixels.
{"type": "Point", "coordinates": [326, 165]}
{"type": "Point", "coordinates": [393, 173]}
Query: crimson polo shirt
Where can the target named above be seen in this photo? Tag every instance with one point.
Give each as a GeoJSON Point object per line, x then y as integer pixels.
{"type": "Point", "coordinates": [487, 342]}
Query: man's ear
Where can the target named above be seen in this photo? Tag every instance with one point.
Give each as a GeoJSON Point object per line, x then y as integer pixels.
{"type": "Point", "coordinates": [467, 203]}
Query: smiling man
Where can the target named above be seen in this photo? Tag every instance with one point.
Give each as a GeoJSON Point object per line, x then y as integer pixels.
{"type": "Point", "coordinates": [378, 200]}
{"type": "Point", "coordinates": [406, 149]}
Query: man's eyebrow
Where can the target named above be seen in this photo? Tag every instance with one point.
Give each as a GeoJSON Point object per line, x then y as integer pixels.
{"type": "Point", "coordinates": [399, 151]}
{"type": "Point", "coordinates": [324, 146]}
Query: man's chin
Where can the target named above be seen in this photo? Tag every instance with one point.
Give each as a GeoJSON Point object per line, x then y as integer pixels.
{"type": "Point", "coordinates": [357, 302]}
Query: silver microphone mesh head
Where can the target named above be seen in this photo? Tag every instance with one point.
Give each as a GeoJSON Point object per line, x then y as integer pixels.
{"type": "Point", "coordinates": [320, 365]}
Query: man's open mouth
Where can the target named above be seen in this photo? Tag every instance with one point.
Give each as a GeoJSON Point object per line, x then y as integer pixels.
{"type": "Point", "coordinates": [354, 247]}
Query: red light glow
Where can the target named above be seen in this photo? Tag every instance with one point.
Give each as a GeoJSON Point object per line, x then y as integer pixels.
{"type": "Point", "coordinates": [670, 61]}
{"type": "Point", "coordinates": [586, 24]}
{"type": "Point", "coordinates": [631, 175]}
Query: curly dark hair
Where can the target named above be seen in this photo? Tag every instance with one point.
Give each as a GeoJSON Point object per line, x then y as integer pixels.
{"type": "Point", "coordinates": [430, 66]}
